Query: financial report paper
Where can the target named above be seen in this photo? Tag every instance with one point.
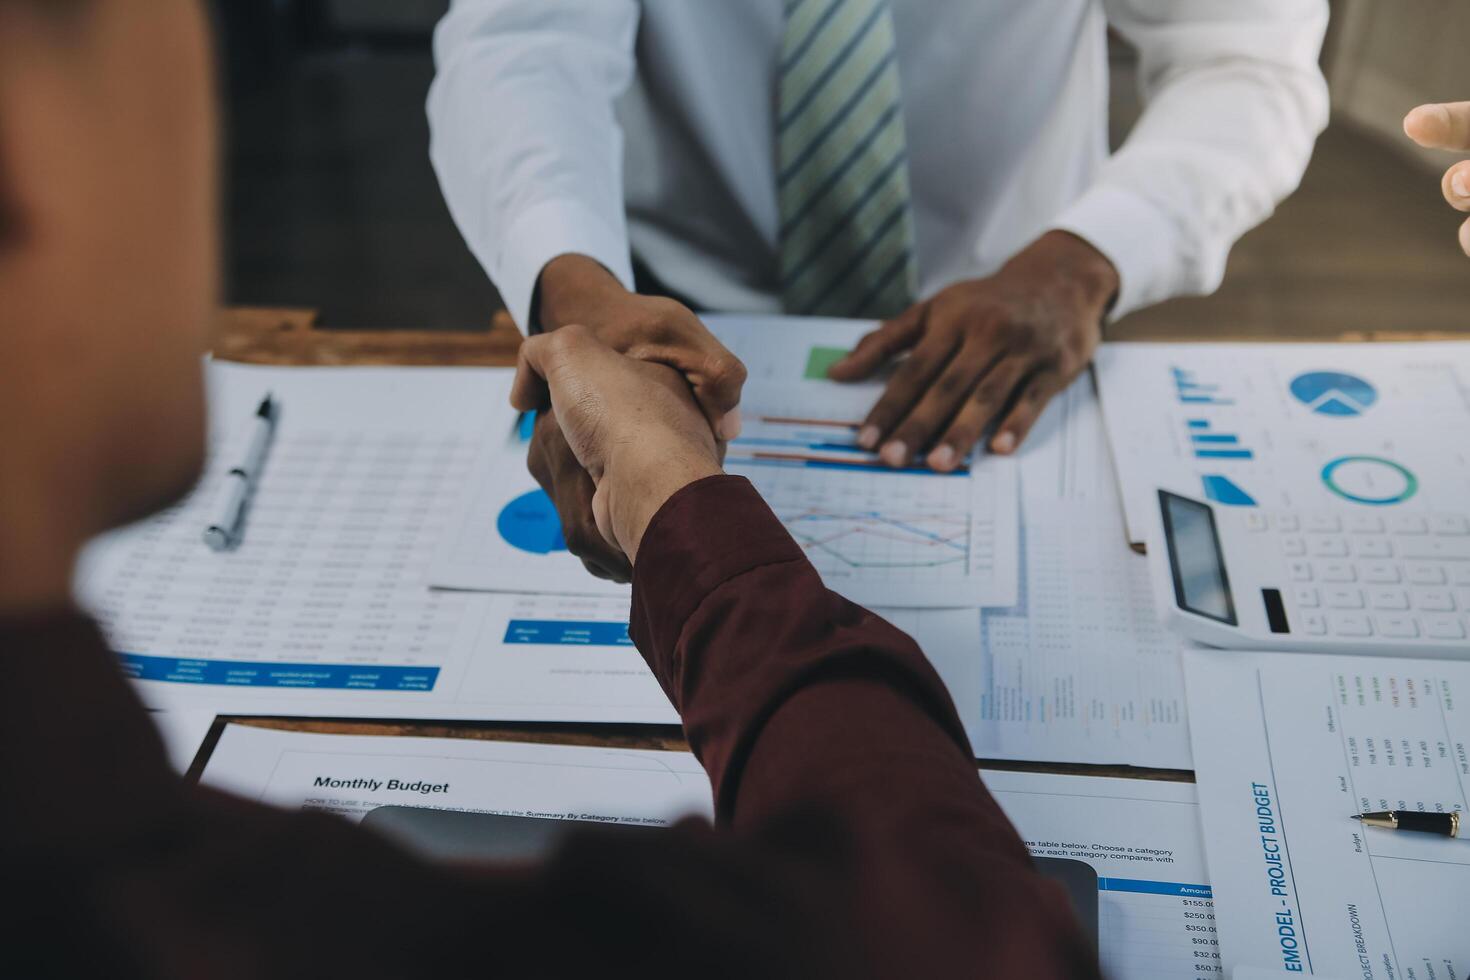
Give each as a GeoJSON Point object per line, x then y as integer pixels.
{"type": "Point", "coordinates": [350, 775]}
{"type": "Point", "coordinates": [1155, 904]}
{"type": "Point", "coordinates": [1287, 748]}
{"type": "Point", "coordinates": [1066, 455]}
{"type": "Point", "coordinates": [1141, 836]}
{"type": "Point", "coordinates": [1080, 669]}
{"type": "Point", "coordinates": [1288, 426]}
{"type": "Point", "coordinates": [907, 538]}
{"type": "Point", "coordinates": [569, 658]}
{"type": "Point", "coordinates": [326, 598]}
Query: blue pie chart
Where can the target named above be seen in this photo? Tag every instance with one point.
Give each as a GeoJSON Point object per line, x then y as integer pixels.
{"type": "Point", "coordinates": [530, 522]}
{"type": "Point", "coordinates": [1334, 393]}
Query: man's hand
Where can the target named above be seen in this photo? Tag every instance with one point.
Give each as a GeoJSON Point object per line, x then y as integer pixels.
{"type": "Point", "coordinates": [1447, 127]}
{"type": "Point", "coordinates": [983, 352]}
{"type": "Point", "coordinates": [633, 427]}
{"type": "Point", "coordinates": [577, 290]}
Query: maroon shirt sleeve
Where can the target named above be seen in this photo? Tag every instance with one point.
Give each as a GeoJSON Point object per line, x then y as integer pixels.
{"type": "Point", "coordinates": [792, 696]}
{"type": "Point", "coordinates": [859, 840]}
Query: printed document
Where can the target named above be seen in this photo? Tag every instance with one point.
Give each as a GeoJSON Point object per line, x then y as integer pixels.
{"type": "Point", "coordinates": [541, 658]}
{"type": "Point", "coordinates": [569, 658]}
{"type": "Point", "coordinates": [1080, 669]}
{"type": "Point", "coordinates": [908, 538]}
{"type": "Point", "coordinates": [879, 536]}
{"type": "Point", "coordinates": [324, 608]}
{"type": "Point", "coordinates": [1066, 455]}
{"type": "Point", "coordinates": [352, 774]}
{"type": "Point", "coordinates": [1155, 906]}
{"type": "Point", "coordinates": [1141, 836]}
{"type": "Point", "coordinates": [1287, 748]}
{"type": "Point", "coordinates": [1288, 426]}
{"type": "Point", "coordinates": [326, 593]}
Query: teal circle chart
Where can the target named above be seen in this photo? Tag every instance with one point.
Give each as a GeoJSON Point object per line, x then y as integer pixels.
{"type": "Point", "coordinates": [1370, 480]}
{"type": "Point", "coordinates": [1334, 393]}
{"type": "Point", "coordinates": [530, 522]}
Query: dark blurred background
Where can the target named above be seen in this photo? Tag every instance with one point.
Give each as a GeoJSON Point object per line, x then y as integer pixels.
{"type": "Point", "coordinates": [332, 204]}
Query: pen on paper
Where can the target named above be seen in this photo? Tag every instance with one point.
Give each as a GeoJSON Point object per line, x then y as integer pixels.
{"type": "Point", "coordinates": [225, 529]}
{"type": "Point", "coordinates": [1441, 824]}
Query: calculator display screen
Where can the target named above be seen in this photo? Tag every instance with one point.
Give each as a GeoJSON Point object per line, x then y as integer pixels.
{"type": "Point", "coordinates": [1201, 584]}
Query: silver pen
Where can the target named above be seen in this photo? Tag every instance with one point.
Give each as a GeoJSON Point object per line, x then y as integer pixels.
{"type": "Point", "coordinates": [224, 531]}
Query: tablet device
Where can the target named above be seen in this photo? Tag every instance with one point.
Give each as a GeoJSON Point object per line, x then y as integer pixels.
{"type": "Point", "coordinates": [454, 835]}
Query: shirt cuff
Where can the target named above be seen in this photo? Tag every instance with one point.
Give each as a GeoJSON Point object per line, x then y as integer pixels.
{"type": "Point", "coordinates": [702, 537]}
{"type": "Point", "coordinates": [1135, 236]}
{"type": "Point", "coordinates": [541, 233]}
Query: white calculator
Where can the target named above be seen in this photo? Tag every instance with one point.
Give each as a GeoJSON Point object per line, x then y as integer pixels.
{"type": "Point", "coordinates": [1327, 581]}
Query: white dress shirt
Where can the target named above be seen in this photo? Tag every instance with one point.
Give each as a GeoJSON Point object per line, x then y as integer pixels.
{"type": "Point", "coordinates": [596, 126]}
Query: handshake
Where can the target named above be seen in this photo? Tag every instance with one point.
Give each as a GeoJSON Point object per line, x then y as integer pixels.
{"type": "Point", "coordinates": [632, 430]}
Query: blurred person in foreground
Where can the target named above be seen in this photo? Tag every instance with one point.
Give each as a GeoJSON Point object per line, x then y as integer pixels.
{"type": "Point", "coordinates": [853, 836]}
{"type": "Point", "coordinates": [1446, 126]}
{"type": "Point", "coordinates": [940, 165]}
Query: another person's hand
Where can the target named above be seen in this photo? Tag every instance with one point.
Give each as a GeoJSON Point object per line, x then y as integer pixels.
{"type": "Point", "coordinates": [633, 427]}
{"type": "Point", "coordinates": [984, 352]}
{"type": "Point", "coordinates": [576, 289]}
{"type": "Point", "coordinates": [1447, 127]}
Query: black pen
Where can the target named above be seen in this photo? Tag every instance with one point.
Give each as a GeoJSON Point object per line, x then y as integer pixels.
{"type": "Point", "coordinates": [1443, 824]}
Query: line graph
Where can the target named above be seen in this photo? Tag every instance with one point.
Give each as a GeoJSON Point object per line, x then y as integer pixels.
{"type": "Point", "coordinates": [930, 540]}
{"type": "Point", "coordinates": [905, 536]}
{"type": "Point", "coordinates": [887, 532]}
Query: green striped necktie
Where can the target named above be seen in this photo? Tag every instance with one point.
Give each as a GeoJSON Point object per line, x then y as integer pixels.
{"type": "Point", "coordinates": [847, 232]}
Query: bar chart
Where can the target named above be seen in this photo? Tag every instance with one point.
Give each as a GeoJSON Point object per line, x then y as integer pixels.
{"type": "Point", "coordinates": [1209, 443]}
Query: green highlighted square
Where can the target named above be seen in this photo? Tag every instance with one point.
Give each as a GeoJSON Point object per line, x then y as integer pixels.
{"type": "Point", "coordinates": [820, 359]}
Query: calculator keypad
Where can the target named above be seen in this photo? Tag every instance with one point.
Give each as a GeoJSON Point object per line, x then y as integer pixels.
{"type": "Point", "coordinates": [1360, 576]}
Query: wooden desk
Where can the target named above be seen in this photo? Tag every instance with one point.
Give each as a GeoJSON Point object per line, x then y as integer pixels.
{"type": "Point", "coordinates": [289, 336]}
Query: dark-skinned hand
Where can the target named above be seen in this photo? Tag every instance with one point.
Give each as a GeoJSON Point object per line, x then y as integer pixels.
{"type": "Point", "coordinates": [575, 289]}
{"type": "Point", "coordinates": [984, 355]}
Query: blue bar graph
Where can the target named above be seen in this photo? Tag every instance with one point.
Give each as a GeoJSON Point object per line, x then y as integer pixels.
{"type": "Point", "coordinates": [1223, 490]}
{"type": "Point", "coordinates": [1208, 444]}
{"type": "Point", "coordinates": [1192, 391]}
